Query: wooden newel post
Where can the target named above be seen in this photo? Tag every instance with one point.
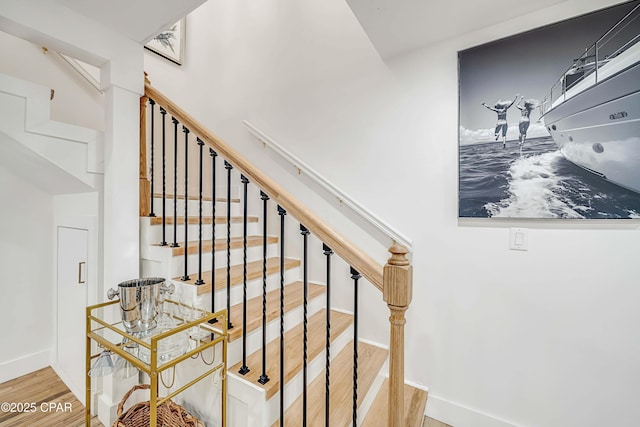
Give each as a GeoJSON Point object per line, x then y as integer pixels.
{"type": "Point", "coordinates": [397, 293]}
{"type": "Point", "coordinates": [145, 185]}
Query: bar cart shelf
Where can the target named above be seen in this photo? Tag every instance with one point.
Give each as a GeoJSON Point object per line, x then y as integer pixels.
{"type": "Point", "coordinates": [111, 336]}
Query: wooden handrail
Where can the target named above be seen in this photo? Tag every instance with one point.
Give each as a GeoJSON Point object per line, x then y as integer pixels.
{"type": "Point", "coordinates": [395, 279]}
{"type": "Point", "coordinates": [359, 260]}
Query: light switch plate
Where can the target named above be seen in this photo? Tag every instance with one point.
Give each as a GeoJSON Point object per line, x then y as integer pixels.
{"type": "Point", "coordinates": [519, 239]}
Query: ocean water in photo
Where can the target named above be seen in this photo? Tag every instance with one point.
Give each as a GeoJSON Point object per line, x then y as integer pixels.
{"type": "Point", "coordinates": [537, 182]}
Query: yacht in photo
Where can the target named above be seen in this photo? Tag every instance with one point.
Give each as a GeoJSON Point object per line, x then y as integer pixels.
{"type": "Point", "coordinates": [593, 110]}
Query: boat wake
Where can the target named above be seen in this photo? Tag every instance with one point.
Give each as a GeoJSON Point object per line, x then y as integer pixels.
{"type": "Point", "coordinates": [540, 183]}
{"type": "Point", "coordinates": [536, 190]}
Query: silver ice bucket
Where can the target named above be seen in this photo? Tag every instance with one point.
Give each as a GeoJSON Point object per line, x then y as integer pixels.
{"type": "Point", "coordinates": [140, 300]}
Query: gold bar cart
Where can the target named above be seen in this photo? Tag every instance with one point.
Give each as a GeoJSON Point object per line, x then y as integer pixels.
{"type": "Point", "coordinates": [111, 335]}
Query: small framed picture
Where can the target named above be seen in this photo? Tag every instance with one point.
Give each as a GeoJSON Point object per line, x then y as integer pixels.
{"type": "Point", "coordinates": [170, 42]}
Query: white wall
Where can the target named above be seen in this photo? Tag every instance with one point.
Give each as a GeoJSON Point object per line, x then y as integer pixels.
{"type": "Point", "coordinates": [26, 263]}
{"type": "Point", "coordinates": [75, 101]}
{"type": "Point", "coordinates": [546, 337]}
{"type": "Point", "coordinates": [539, 338]}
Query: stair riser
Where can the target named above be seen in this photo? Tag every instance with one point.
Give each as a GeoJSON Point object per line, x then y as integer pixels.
{"type": "Point", "coordinates": [367, 402]}
{"type": "Point", "coordinates": [193, 207]}
{"type": "Point", "coordinates": [248, 403]}
{"type": "Point", "coordinates": [294, 387]}
{"type": "Point", "coordinates": [152, 234]}
{"type": "Point", "coordinates": [158, 261]}
{"type": "Point", "coordinates": [200, 395]}
{"type": "Point", "coordinates": [254, 288]}
{"type": "Point", "coordinates": [237, 257]}
{"type": "Point", "coordinates": [254, 338]}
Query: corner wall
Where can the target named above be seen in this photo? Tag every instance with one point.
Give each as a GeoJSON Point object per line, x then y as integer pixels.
{"type": "Point", "coordinates": [75, 100]}
{"type": "Point", "coordinates": [26, 263]}
{"type": "Point", "coordinates": [546, 337]}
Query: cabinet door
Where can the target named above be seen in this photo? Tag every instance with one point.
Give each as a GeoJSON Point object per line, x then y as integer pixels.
{"type": "Point", "coordinates": [71, 302]}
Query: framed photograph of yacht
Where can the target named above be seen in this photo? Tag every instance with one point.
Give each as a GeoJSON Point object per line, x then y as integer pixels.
{"type": "Point", "coordinates": [549, 121]}
{"type": "Point", "coordinates": [170, 42]}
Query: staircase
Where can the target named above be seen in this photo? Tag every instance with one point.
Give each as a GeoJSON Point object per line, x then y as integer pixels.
{"type": "Point", "coordinates": [59, 157]}
{"type": "Point", "coordinates": [294, 352]}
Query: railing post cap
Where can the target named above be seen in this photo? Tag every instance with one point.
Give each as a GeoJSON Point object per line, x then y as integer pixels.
{"type": "Point", "coordinates": [398, 255]}
{"type": "Point", "coordinates": [397, 277]}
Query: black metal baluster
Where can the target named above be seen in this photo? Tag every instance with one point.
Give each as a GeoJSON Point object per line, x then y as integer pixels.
{"type": "Point", "coordinates": [264, 378]}
{"type": "Point", "coordinates": [282, 214]}
{"type": "Point", "coordinates": [213, 155]}
{"type": "Point", "coordinates": [153, 131]}
{"type": "Point", "coordinates": [186, 204]}
{"type": "Point", "coordinates": [328, 252]}
{"type": "Point", "coordinates": [355, 276]}
{"type": "Point", "coordinates": [175, 183]}
{"type": "Point", "coordinates": [244, 369]}
{"type": "Point", "coordinates": [305, 234]}
{"type": "Point", "coordinates": [164, 180]}
{"type": "Point", "coordinates": [228, 167]}
{"type": "Point", "coordinates": [200, 281]}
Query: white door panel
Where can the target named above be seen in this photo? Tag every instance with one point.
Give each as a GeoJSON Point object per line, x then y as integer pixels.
{"type": "Point", "coordinates": [71, 304]}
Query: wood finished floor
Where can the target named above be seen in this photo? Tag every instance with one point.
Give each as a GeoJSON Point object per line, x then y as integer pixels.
{"type": "Point", "coordinates": [430, 422]}
{"type": "Point", "coordinates": [45, 386]}
{"type": "Point", "coordinates": [414, 404]}
{"type": "Point", "coordinates": [42, 388]}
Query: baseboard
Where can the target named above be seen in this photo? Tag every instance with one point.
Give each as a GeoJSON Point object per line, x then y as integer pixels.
{"type": "Point", "coordinates": [78, 393]}
{"type": "Point", "coordinates": [416, 385]}
{"type": "Point", "coordinates": [461, 416]}
{"type": "Point", "coordinates": [24, 365]}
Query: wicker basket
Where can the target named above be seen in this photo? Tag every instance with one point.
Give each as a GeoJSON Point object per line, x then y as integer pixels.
{"type": "Point", "coordinates": [170, 414]}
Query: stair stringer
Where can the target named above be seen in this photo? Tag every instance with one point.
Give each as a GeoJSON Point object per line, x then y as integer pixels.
{"type": "Point", "coordinates": [25, 117]}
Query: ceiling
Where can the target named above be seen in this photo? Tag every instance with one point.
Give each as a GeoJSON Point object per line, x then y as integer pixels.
{"type": "Point", "coordinates": [393, 26]}
{"type": "Point", "coordinates": [397, 26]}
{"type": "Point", "coordinates": [138, 20]}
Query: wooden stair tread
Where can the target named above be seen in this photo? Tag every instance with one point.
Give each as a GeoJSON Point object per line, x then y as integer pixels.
{"type": "Point", "coordinates": [293, 298]}
{"type": "Point", "coordinates": [195, 220]}
{"type": "Point", "coordinates": [254, 271]}
{"type": "Point", "coordinates": [415, 400]}
{"type": "Point", "coordinates": [293, 350]}
{"type": "Point", "coordinates": [370, 361]}
{"type": "Point", "coordinates": [204, 198]}
{"type": "Point", "coordinates": [220, 244]}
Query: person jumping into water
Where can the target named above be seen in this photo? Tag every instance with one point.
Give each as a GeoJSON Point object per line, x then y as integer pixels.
{"type": "Point", "coordinates": [524, 118]}
{"type": "Point", "coordinates": [501, 108]}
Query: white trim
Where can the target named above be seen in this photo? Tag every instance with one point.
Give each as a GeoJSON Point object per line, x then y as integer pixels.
{"type": "Point", "coordinates": [78, 393]}
{"type": "Point", "coordinates": [457, 415]}
{"type": "Point", "coordinates": [94, 288]}
{"type": "Point", "coordinates": [342, 198]}
{"type": "Point", "coordinates": [416, 385]}
{"type": "Point", "coordinates": [82, 71]}
{"type": "Point", "coordinates": [81, 222]}
{"type": "Point", "coordinates": [24, 365]}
